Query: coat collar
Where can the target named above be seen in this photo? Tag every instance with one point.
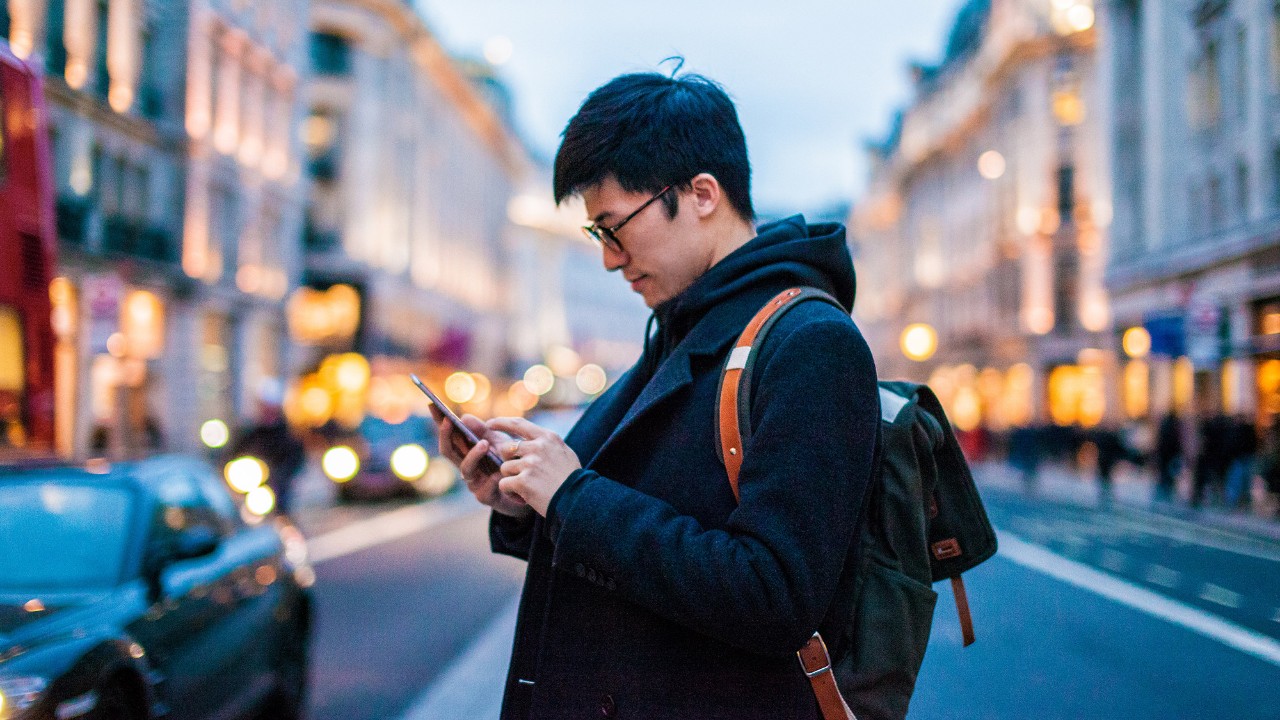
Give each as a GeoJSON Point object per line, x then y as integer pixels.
{"type": "Point", "coordinates": [711, 336]}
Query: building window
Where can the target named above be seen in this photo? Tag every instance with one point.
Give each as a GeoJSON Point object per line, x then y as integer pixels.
{"type": "Point", "coordinates": [1214, 191]}
{"type": "Point", "coordinates": [1204, 89]}
{"type": "Point", "coordinates": [1242, 189]}
{"type": "Point", "coordinates": [1242, 73]}
{"type": "Point", "coordinates": [1066, 192]}
{"type": "Point", "coordinates": [55, 56]}
{"type": "Point", "coordinates": [102, 80]}
{"type": "Point", "coordinates": [1275, 46]}
{"type": "Point", "coordinates": [330, 54]}
{"type": "Point", "coordinates": [1275, 177]}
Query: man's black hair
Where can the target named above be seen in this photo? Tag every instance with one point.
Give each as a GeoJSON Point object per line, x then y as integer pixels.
{"type": "Point", "coordinates": [650, 131]}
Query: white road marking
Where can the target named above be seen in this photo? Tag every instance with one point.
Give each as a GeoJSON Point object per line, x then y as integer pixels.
{"type": "Point", "coordinates": [1203, 536]}
{"type": "Point", "coordinates": [1082, 576]}
{"type": "Point", "coordinates": [471, 685]}
{"type": "Point", "coordinates": [1114, 560]}
{"type": "Point", "coordinates": [388, 527]}
{"type": "Point", "coordinates": [1163, 576]}
{"type": "Point", "coordinates": [1220, 595]}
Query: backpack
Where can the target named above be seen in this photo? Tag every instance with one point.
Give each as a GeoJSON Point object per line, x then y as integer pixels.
{"type": "Point", "coordinates": [923, 522]}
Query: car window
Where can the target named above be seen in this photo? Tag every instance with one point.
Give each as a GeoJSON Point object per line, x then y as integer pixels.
{"type": "Point", "coordinates": [180, 506]}
{"type": "Point", "coordinates": [214, 491]}
{"type": "Point", "coordinates": [63, 536]}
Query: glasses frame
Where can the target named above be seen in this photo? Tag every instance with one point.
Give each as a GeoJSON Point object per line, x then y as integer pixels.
{"type": "Point", "coordinates": [607, 237]}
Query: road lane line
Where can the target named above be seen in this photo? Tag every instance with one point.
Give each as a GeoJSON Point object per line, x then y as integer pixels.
{"type": "Point", "coordinates": [1200, 534]}
{"type": "Point", "coordinates": [1114, 560]}
{"type": "Point", "coordinates": [1042, 560]}
{"type": "Point", "coordinates": [388, 527]}
{"type": "Point", "coordinates": [1220, 595]}
{"type": "Point", "coordinates": [471, 685]}
{"type": "Point", "coordinates": [1163, 576]}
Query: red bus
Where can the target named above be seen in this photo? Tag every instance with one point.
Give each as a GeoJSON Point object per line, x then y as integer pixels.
{"type": "Point", "coordinates": [27, 254]}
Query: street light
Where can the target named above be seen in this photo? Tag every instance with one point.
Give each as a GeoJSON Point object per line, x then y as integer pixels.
{"type": "Point", "coordinates": [919, 341]}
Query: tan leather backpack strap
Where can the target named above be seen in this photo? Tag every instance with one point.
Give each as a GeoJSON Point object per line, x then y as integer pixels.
{"type": "Point", "coordinates": [962, 608]}
{"type": "Point", "coordinates": [817, 666]}
{"type": "Point", "coordinates": [730, 432]}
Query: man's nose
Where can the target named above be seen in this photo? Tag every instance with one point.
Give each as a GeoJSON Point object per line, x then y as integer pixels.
{"type": "Point", "coordinates": [614, 259]}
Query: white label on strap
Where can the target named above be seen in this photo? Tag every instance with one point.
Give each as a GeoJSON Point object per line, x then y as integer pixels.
{"type": "Point", "coordinates": [738, 358]}
{"type": "Point", "coordinates": [890, 405]}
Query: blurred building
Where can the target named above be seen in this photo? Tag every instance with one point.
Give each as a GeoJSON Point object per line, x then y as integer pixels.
{"type": "Point", "coordinates": [178, 211]}
{"type": "Point", "coordinates": [981, 240]}
{"type": "Point", "coordinates": [1195, 254]}
{"type": "Point", "coordinates": [568, 312]}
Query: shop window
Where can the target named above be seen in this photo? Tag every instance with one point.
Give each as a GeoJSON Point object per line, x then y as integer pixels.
{"type": "Point", "coordinates": [13, 381]}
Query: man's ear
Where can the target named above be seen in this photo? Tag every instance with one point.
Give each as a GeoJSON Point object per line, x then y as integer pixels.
{"type": "Point", "coordinates": [707, 194]}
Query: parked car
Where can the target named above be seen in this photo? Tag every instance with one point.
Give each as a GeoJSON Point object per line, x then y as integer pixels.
{"type": "Point", "coordinates": [140, 590]}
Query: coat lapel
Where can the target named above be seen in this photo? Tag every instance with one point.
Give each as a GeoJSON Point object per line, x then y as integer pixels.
{"type": "Point", "coordinates": [709, 337]}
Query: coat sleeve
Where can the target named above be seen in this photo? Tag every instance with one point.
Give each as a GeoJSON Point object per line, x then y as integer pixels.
{"type": "Point", "coordinates": [511, 536]}
{"type": "Point", "coordinates": [764, 581]}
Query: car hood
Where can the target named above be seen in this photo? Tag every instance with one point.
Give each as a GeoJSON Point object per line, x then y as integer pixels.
{"type": "Point", "coordinates": [57, 615]}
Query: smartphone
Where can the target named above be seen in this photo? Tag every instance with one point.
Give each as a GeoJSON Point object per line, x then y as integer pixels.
{"type": "Point", "coordinates": [457, 423]}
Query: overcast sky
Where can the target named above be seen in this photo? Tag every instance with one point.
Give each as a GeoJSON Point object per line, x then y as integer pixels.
{"type": "Point", "coordinates": [812, 79]}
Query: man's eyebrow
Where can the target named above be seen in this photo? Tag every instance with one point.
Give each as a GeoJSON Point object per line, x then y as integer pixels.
{"type": "Point", "coordinates": [601, 217]}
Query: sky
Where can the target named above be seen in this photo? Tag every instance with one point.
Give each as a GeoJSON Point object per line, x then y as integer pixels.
{"type": "Point", "coordinates": [813, 79]}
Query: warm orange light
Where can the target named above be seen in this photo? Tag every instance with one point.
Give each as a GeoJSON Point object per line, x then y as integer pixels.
{"type": "Point", "coordinates": [919, 341]}
{"type": "Point", "coordinates": [1136, 342]}
{"type": "Point", "coordinates": [460, 387]}
{"type": "Point", "coordinates": [991, 165]}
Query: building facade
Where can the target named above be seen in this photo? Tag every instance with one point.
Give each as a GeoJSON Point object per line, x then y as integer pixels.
{"type": "Point", "coordinates": [1195, 263]}
{"type": "Point", "coordinates": [178, 208]}
{"type": "Point", "coordinates": [983, 230]}
{"type": "Point", "coordinates": [412, 168]}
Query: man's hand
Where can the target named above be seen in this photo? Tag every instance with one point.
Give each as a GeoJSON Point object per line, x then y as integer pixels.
{"type": "Point", "coordinates": [537, 468]}
{"type": "Point", "coordinates": [481, 477]}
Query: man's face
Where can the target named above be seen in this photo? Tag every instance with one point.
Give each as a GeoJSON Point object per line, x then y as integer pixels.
{"type": "Point", "coordinates": [661, 256]}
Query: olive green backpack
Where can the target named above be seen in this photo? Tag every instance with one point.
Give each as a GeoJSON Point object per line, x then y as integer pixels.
{"type": "Point", "coordinates": [924, 523]}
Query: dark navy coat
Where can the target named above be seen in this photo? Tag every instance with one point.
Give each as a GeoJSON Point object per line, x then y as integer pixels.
{"type": "Point", "coordinates": [650, 592]}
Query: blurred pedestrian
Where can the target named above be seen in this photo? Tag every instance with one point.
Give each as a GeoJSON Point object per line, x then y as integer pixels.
{"type": "Point", "coordinates": [1212, 461]}
{"type": "Point", "coordinates": [1168, 455]}
{"type": "Point", "coordinates": [1269, 461]}
{"type": "Point", "coordinates": [1243, 447]}
{"type": "Point", "coordinates": [651, 590]}
{"type": "Point", "coordinates": [1024, 453]}
{"type": "Point", "coordinates": [1113, 448]}
{"type": "Point", "coordinates": [272, 441]}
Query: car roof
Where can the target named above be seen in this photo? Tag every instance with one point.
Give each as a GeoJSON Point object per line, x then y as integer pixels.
{"type": "Point", "coordinates": [141, 473]}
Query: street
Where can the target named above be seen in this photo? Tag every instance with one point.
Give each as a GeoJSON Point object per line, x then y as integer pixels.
{"type": "Point", "coordinates": [1089, 610]}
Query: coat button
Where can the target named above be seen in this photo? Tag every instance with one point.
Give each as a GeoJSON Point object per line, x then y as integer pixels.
{"type": "Point", "coordinates": [580, 569]}
{"type": "Point", "coordinates": [607, 708]}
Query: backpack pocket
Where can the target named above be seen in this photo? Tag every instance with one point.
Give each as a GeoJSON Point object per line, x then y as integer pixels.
{"type": "Point", "coordinates": [890, 633]}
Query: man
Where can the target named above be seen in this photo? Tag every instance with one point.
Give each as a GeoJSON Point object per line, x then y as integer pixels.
{"type": "Point", "coordinates": [650, 593]}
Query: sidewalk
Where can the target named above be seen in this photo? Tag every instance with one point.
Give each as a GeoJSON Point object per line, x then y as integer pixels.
{"type": "Point", "coordinates": [1132, 489]}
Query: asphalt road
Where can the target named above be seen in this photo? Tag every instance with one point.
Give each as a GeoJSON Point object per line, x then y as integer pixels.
{"type": "Point", "coordinates": [1088, 611]}
{"type": "Point", "coordinates": [391, 616]}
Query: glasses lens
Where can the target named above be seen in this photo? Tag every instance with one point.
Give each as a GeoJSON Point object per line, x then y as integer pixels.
{"type": "Point", "coordinates": [592, 233]}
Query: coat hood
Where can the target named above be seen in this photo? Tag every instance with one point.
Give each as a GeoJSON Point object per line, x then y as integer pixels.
{"type": "Point", "coordinates": [783, 254]}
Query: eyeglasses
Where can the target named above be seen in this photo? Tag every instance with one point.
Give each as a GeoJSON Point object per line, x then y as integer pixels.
{"type": "Point", "coordinates": [608, 236]}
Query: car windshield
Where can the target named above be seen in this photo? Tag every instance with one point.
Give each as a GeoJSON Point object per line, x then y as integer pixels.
{"type": "Point", "coordinates": [62, 536]}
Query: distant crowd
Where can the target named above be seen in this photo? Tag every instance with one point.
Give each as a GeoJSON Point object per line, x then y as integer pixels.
{"type": "Point", "coordinates": [1216, 459]}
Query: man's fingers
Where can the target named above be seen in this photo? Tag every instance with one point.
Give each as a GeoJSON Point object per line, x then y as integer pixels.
{"type": "Point", "coordinates": [517, 426]}
{"type": "Point", "coordinates": [473, 458]}
{"type": "Point", "coordinates": [476, 425]}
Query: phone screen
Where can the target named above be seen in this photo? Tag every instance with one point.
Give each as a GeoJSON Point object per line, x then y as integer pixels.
{"type": "Point", "coordinates": [455, 421]}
